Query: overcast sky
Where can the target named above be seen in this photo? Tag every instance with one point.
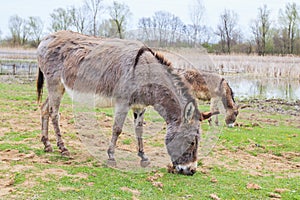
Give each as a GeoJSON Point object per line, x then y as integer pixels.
{"type": "Point", "coordinates": [246, 10]}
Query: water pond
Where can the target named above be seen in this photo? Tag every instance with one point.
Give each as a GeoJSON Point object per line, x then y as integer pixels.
{"type": "Point", "coordinates": [246, 87]}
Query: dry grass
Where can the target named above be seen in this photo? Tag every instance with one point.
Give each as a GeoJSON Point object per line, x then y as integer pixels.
{"type": "Point", "coordinates": [17, 53]}
{"type": "Point", "coordinates": [268, 66]}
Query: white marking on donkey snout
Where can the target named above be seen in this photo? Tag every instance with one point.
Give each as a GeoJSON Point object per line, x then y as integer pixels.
{"type": "Point", "coordinates": [231, 125]}
{"type": "Point", "coordinates": [189, 168]}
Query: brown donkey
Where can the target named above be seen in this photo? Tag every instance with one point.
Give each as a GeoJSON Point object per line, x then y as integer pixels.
{"type": "Point", "coordinates": [212, 87]}
{"type": "Point", "coordinates": [126, 71]}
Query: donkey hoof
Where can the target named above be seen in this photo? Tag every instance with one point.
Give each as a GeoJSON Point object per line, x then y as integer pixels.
{"type": "Point", "coordinates": [111, 163]}
{"type": "Point", "coordinates": [65, 153]}
{"type": "Point", "coordinates": [145, 163]}
{"type": "Point", "coordinates": [48, 149]}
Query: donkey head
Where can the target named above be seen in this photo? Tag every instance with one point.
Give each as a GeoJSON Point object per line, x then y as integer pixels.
{"type": "Point", "coordinates": [182, 142]}
{"type": "Point", "coordinates": [231, 115]}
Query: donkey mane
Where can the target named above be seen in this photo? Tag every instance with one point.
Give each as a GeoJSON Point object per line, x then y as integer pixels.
{"type": "Point", "coordinates": [162, 60]}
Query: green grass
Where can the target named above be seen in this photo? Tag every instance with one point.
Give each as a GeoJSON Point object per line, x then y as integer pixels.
{"type": "Point", "coordinates": [83, 177]}
{"type": "Point", "coordinates": [17, 136]}
{"type": "Point", "coordinates": [272, 139]}
{"type": "Point", "coordinates": [105, 183]}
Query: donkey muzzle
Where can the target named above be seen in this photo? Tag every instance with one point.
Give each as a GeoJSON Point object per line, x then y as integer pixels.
{"type": "Point", "coordinates": [189, 169]}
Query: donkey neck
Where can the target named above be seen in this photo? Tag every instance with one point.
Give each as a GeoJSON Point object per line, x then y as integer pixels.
{"type": "Point", "coordinates": [162, 99]}
{"type": "Point", "coordinates": [227, 96]}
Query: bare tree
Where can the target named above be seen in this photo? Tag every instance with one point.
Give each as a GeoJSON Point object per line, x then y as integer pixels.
{"type": "Point", "coordinates": [119, 13]}
{"type": "Point", "coordinates": [256, 31]}
{"type": "Point", "coordinates": [260, 28]}
{"type": "Point", "coordinates": [227, 29]}
{"type": "Point", "coordinates": [15, 28]}
{"type": "Point", "coordinates": [206, 34]}
{"type": "Point", "coordinates": [289, 19]}
{"type": "Point", "coordinates": [94, 6]}
{"type": "Point", "coordinates": [197, 11]}
{"type": "Point", "coordinates": [107, 28]}
{"type": "Point", "coordinates": [264, 20]}
{"type": "Point", "coordinates": [60, 20]}
{"type": "Point", "coordinates": [79, 18]}
{"type": "Point", "coordinates": [221, 33]}
{"type": "Point", "coordinates": [145, 24]}
{"type": "Point", "coordinates": [161, 22]}
{"type": "Point", "coordinates": [164, 28]}
{"type": "Point", "coordinates": [176, 26]}
{"type": "Point", "coordinates": [25, 32]}
{"type": "Point", "coordinates": [167, 26]}
{"type": "Point", "coordinates": [36, 26]}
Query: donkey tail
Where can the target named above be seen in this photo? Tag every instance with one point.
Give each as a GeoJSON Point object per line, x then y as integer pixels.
{"type": "Point", "coordinates": [39, 85]}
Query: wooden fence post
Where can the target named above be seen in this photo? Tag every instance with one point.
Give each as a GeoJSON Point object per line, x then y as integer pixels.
{"type": "Point", "coordinates": [29, 69]}
{"type": "Point", "coordinates": [14, 69]}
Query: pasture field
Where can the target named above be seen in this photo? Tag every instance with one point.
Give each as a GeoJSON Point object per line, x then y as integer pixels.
{"type": "Point", "coordinates": [258, 159]}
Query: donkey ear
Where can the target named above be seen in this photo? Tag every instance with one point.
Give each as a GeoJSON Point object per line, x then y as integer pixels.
{"type": "Point", "coordinates": [189, 111]}
{"type": "Point", "coordinates": [243, 106]}
{"type": "Point", "coordinates": [206, 115]}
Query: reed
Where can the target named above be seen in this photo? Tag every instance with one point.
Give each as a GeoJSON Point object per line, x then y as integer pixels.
{"type": "Point", "coordinates": [266, 66]}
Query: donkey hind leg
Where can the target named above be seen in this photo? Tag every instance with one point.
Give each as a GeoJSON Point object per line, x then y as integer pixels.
{"type": "Point", "coordinates": [54, 103]}
{"type": "Point", "coordinates": [138, 125]}
{"type": "Point", "coordinates": [45, 124]}
{"type": "Point", "coordinates": [120, 116]}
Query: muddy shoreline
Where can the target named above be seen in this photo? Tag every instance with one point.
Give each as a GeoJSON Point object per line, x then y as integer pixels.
{"type": "Point", "coordinates": [278, 106]}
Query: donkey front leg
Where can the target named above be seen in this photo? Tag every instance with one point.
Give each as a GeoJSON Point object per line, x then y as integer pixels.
{"type": "Point", "coordinates": [120, 116]}
{"type": "Point", "coordinates": [45, 126]}
{"type": "Point", "coordinates": [214, 108]}
{"type": "Point", "coordinates": [138, 123]}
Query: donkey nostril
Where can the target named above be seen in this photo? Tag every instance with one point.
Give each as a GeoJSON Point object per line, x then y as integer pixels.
{"type": "Point", "coordinates": [193, 171]}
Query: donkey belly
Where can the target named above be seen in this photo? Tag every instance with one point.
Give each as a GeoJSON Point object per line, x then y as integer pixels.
{"type": "Point", "coordinates": [89, 96]}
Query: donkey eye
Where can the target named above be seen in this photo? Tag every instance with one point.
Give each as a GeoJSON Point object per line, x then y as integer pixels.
{"type": "Point", "coordinates": [192, 143]}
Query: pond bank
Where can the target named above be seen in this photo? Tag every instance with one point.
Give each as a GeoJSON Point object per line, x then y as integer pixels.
{"type": "Point", "coordinates": [278, 106]}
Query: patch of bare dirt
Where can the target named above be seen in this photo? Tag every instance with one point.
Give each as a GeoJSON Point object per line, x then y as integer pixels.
{"type": "Point", "coordinates": [135, 193]}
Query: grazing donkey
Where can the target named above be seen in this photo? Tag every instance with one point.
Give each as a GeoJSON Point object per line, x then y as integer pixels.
{"type": "Point", "coordinates": [128, 72]}
{"type": "Point", "coordinates": [209, 86]}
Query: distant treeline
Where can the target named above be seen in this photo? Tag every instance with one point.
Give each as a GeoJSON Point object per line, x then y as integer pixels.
{"type": "Point", "coordinates": [278, 37]}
